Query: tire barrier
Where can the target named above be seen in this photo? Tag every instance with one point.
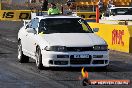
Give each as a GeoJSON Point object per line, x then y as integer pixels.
{"type": "Point", "coordinates": [15, 15]}
{"type": "Point", "coordinates": [87, 14]}
{"type": "Point", "coordinates": [118, 37]}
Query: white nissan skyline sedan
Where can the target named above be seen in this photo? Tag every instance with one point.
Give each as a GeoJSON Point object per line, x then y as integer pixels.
{"type": "Point", "coordinates": [61, 41]}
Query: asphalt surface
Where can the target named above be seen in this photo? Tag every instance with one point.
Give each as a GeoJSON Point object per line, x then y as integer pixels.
{"type": "Point", "coordinates": [16, 75]}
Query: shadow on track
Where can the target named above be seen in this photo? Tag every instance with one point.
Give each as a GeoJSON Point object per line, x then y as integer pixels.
{"type": "Point", "coordinates": [114, 66]}
{"type": "Point", "coordinates": [78, 69]}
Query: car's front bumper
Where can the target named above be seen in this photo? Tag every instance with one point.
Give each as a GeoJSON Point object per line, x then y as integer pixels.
{"type": "Point", "coordinates": [66, 59]}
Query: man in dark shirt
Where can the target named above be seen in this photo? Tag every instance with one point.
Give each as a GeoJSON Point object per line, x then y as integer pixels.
{"type": "Point", "coordinates": [45, 5]}
{"type": "Point", "coordinates": [100, 5]}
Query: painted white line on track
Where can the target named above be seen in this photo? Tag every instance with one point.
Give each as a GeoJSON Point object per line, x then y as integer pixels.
{"type": "Point", "coordinates": [9, 40]}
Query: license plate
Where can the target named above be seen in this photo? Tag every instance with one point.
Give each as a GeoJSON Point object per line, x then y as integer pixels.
{"type": "Point", "coordinates": [81, 56]}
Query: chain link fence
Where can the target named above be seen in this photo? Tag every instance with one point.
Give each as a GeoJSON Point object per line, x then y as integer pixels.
{"type": "Point", "coordinates": [8, 5]}
{"type": "Point", "coordinates": [37, 6]}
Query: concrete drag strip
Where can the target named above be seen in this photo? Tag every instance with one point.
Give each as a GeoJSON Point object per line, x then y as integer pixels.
{"type": "Point", "coordinates": [10, 40]}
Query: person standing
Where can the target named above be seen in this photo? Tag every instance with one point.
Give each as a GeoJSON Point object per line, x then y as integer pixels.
{"type": "Point", "coordinates": [45, 5]}
{"type": "Point", "coordinates": [53, 10]}
{"type": "Point", "coordinates": [110, 4]}
{"type": "Point", "coordinates": [100, 5]}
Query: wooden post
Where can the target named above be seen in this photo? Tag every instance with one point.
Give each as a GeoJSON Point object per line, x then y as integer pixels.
{"type": "Point", "coordinates": [97, 14]}
{"type": "Point", "coordinates": [0, 4]}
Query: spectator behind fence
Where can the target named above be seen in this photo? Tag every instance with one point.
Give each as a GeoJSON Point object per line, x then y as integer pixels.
{"type": "Point", "coordinates": [100, 5]}
{"type": "Point", "coordinates": [110, 4]}
{"type": "Point", "coordinates": [45, 5]}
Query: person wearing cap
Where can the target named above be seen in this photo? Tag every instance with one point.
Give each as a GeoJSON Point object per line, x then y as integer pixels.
{"type": "Point", "coordinates": [53, 10]}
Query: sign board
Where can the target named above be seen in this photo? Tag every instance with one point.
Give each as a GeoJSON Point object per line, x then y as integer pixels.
{"type": "Point", "coordinates": [15, 14]}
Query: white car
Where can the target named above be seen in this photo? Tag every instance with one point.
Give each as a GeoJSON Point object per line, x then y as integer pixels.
{"type": "Point", "coordinates": [118, 13]}
{"type": "Point", "coordinates": [61, 41]}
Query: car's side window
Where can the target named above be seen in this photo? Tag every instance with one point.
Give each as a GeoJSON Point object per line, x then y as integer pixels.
{"type": "Point", "coordinates": [34, 23]}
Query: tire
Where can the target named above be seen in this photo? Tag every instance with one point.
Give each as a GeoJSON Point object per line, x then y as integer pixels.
{"type": "Point", "coordinates": [39, 58]}
{"type": "Point", "coordinates": [21, 57]}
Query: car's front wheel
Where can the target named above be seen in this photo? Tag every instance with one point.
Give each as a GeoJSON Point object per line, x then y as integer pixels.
{"type": "Point", "coordinates": [39, 58]}
{"type": "Point", "coordinates": [21, 57]}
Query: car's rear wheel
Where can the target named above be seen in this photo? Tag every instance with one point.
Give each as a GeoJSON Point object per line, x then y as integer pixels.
{"type": "Point", "coordinates": [21, 57]}
{"type": "Point", "coordinates": [39, 58]}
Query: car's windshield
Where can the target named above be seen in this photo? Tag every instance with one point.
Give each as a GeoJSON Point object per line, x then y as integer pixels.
{"type": "Point", "coordinates": [64, 25]}
{"type": "Point", "coordinates": [122, 11]}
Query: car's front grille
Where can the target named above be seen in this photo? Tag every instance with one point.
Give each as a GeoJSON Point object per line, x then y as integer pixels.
{"type": "Point", "coordinates": [98, 62]}
{"type": "Point", "coordinates": [76, 61]}
{"type": "Point", "coordinates": [79, 49]}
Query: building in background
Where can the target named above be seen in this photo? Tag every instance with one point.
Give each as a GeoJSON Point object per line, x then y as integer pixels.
{"type": "Point", "coordinates": [80, 3]}
{"type": "Point", "coordinates": [19, 1]}
{"type": "Point", "coordinates": [22, 1]}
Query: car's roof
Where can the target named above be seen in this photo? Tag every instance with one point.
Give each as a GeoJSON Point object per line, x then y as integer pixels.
{"type": "Point", "coordinates": [56, 16]}
{"type": "Point", "coordinates": [119, 7]}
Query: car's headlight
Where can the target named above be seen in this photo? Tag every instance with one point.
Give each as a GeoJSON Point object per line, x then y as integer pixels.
{"type": "Point", "coordinates": [100, 47]}
{"type": "Point", "coordinates": [55, 48]}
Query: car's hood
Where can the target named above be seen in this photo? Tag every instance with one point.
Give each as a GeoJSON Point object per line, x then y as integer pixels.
{"type": "Point", "coordinates": [74, 39]}
{"type": "Point", "coordinates": [120, 17]}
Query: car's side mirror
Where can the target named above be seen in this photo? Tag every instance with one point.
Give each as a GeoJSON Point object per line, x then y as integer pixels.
{"type": "Point", "coordinates": [95, 29]}
{"type": "Point", "coordinates": [31, 30]}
